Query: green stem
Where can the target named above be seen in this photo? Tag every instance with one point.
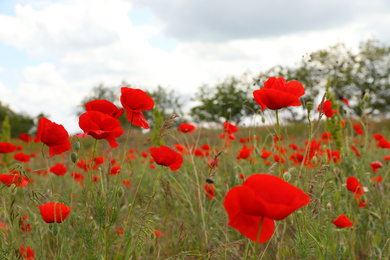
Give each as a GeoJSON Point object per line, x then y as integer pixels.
{"type": "Point", "coordinates": [258, 239]}
{"type": "Point", "coordinates": [280, 148]}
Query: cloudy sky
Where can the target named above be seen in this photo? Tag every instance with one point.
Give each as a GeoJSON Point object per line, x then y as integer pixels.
{"type": "Point", "coordinates": [52, 52]}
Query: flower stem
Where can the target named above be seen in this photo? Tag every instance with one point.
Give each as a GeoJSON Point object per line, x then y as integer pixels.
{"type": "Point", "coordinates": [258, 239]}
{"type": "Point", "coordinates": [280, 148]}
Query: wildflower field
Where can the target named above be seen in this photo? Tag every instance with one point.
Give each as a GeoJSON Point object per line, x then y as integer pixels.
{"type": "Point", "coordinates": [317, 189]}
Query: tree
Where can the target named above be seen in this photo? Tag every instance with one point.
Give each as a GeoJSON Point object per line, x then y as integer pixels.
{"type": "Point", "coordinates": [229, 100]}
{"type": "Point", "coordinates": [353, 74]}
{"type": "Point", "coordinates": [19, 122]}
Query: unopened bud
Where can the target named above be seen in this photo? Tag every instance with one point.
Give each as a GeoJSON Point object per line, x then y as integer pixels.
{"type": "Point", "coordinates": [366, 97]}
{"type": "Point", "coordinates": [263, 119]}
{"type": "Point", "coordinates": [76, 146]}
{"type": "Point", "coordinates": [371, 224]}
{"type": "Point", "coordinates": [329, 205]}
{"type": "Point", "coordinates": [287, 176]}
{"type": "Point", "coordinates": [93, 225]}
{"type": "Point", "coordinates": [309, 105]}
{"type": "Point", "coordinates": [73, 157]}
{"type": "Point", "coordinates": [314, 160]}
{"type": "Point", "coordinates": [342, 249]}
{"type": "Point", "coordinates": [120, 192]}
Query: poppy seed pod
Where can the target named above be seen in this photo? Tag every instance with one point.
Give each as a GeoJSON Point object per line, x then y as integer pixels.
{"type": "Point", "coordinates": [120, 192]}
{"type": "Point", "coordinates": [366, 97]}
{"type": "Point", "coordinates": [309, 105]}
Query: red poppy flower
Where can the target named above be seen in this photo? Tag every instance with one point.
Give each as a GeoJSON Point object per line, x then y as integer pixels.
{"type": "Point", "coordinates": [355, 150]}
{"type": "Point", "coordinates": [119, 231]}
{"type": "Point", "coordinates": [377, 179]}
{"type": "Point", "coordinates": [167, 157]}
{"type": "Point", "coordinates": [326, 137]}
{"type": "Point", "coordinates": [358, 129]}
{"type": "Point", "coordinates": [354, 186]}
{"type": "Point", "coordinates": [100, 126]}
{"type": "Point", "coordinates": [327, 108]}
{"type": "Point", "coordinates": [242, 140]}
{"type": "Point", "coordinates": [77, 176]}
{"type": "Point", "coordinates": [25, 137]}
{"type": "Point", "coordinates": [383, 143]}
{"type": "Point", "coordinates": [13, 178]}
{"type": "Point", "coordinates": [54, 136]}
{"type": "Point", "coordinates": [116, 169]}
{"type": "Point", "coordinates": [265, 154]}
{"type": "Point", "coordinates": [126, 183]}
{"type": "Point", "coordinates": [7, 147]}
{"type": "Point", "coordinates": [26, 227]}
{"type": "Point", "coordinates": [244, 152]}
{"type": "Point", "coordinates": [22, 157]}
{"type": "Point", "coordinates": [376, 165]}
{"type": "Point", "coordinates": [242, 176]}
{"type": "Point", "coordinates": [377, 136]}
{"type": "Point", "coordinates": [180, 148]}
{"type": "Point", "coordinates": [342, 221]}
{"type": "Point", "coordinates": [27, 254]}
{"type": "Point", "coordinates": [186, 128]}
{"type": "Point", "coordinates": [53, 208]}
{"type": "Point", "coordinates": [276, 159]}
{"type": "Point", "coordinates": [210, 190]}
{"type": "Point", "coordinates": [345, 101]}
{"type": "Point", "coordinates": [387, 158]}
{"type": "Point", "coordinates": [293, 146]}
{"type": "Point", "coordinates": [58, 169]}
{"type": "Point", "coordinates": [205, 147]}
{"type": "Point", "coordinates": [277, 94]}
{"type": "Point", "coordinates": [230, 129]}
{"type": "Point", "coordinates": [335, 155]}
{"type": "Point", "coordinates": [262, 198]}
{"type": "Point", "coordinates": [134, 101]}
{"type": "Point", "coordinates": [104, 106]}
{"type": "Point", "coordinates": [211, 162]}
{"type": "Point", "coordinates": [296, 158]}
{"type": "Point", "coordinates": [158, 233]}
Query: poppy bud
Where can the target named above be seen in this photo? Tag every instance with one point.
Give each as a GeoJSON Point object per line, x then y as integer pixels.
{"type": "Point", "coordinates": [93, 225]}
{"type": "Point", "coordinates": [342, 249]}
{"type": "Point", "coordinates": [292, 170]}
{"type": "Point", "coordinates": [209, 180]}
{"type": "Point", "coordinates": [287, 176]}
{"type": "Point", "coordinates": [73, 157]}
{"type": "Point", "coordinates": [151, 249]}
{"type": "Point", "coordinates": [329, 205]}
{"type": "Point", "coordinates": [371, 224]}
{"type": "Point", "coordinates": [309, 105]}
{"type": "Point", "coordinates": [263, 119]}
{"type": "Point", "coordinates": [76, 146]}
{"type": "Point", "coordinates": [120, 192]}
{"type": "Point", "coordinates": [314, 160]}
{"type": "Point", "coordinates": [366, 97]}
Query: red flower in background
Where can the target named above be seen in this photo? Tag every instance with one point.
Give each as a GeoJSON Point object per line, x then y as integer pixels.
{"type": "Point", "coordinates": [134, 101]}
{"type": "Point", "coordinates": [22, 157]}
{"type": "Point", "coordinates": [277, 94]}
{"type": "Point", "coordinates": [355, 150]}
{"type": "Point", "coordinates": [167, 157]}
{"type": "Point", "coordinates": [116, 169]}
{"type": "Point", "coordinates": [387, 158]}
{"type": "Point", "coordinates": [26, 227]}
{"type": "Point", "coordinates": [158, 233]}
{"type": "Point", "coordinates": [210, 190]}
{"type": "Point", "coordinates": [186, 128]}
{"type": "Point", "coordinates": [230, 129]}
{"type": "Point", "coordinates": [100, 126]}
{"type": "Point", "coordinates": [327, 108]}
{"type": "Point", "coordinates": [7, 147]}
{"type": "Point", "coordinates": [262, 198]}
{"type": "Point", "coordinates": [25, 137]}
{"type": "Point", "coordinates": [377, 136]}
{"type": "Point", "coordinates": [126, 182]}
{"type": "Point", "coordinates": [354, 186]}
{"type": "Point", "coordinates": [51, 212]}
{"type": "Point", "coordinates": [377, 179]}
{"type": "Point", "coordinates": [358, 129]}
{"type": "Point", "coordinates": [244, 152]}
{"type": "Point", "coordinates": [104, 106]}
{"type": "Point", "coordinates": [342, 221]}
{"type": "Point", "coordinates": [345, 101]}
{"type": "Point", "coordinates": [13, 178]}
{"type": "Point", "coordinates": [27, 254]}
{"type": "Point", "coordinates": [53, 135]}
{"type": "Point", "coordinates": [376, 165]}
{"type": "Point", "coordinates": [383, 143]}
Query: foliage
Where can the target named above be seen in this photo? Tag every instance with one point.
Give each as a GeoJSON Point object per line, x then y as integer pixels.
{"type": "Point", "coordinates": [19, 122]}
{"type": "Point", "coordinates": [229, 100]}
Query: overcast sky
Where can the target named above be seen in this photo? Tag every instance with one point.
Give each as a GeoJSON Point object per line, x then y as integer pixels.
{"type": "Point", "coordinates": [53, 52]}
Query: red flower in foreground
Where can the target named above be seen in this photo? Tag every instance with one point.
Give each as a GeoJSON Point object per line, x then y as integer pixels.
{"type": "Point", "coordinates": [53, 135]}
{"type": "Point", "coordinates": [58, 169]}
{"type": "Point", "coordinates": [277, 94]}
{"type": "Point", "coordinates": [100, 126]}
{"type": "Point", "coordinates": [327, 108]}
{"type": "Point", "coordinates": [358, 129]}
{"type": "Point", "coordinates": [7, 147]}
{"type": "Point", "coordinates": [134, 101]}
{"type": "Point", "coordinates": [186, 128]}
{"type": "Point", "coordinates": [210, 190]}
{"type": "Point", "coordinates": [26, 253]}
{"type": "Point", "coordinates": [53, 208]}
{"type": "Point", "coordinates": [262, 198]}
{"type": "Point", "coordinates": [104, 106]}
{"type": "Point", "coordinates": [167, 157]}
{"type": "Point", "coordinates": [13, 178]}
{"type": "Point", "coordinates": [342, 221]}
{"type": "Point", "coordinates": [25, 137]}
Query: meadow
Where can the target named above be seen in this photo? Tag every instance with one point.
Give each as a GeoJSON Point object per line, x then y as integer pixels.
{"type": "Point", "coordinates": [306, 190]}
